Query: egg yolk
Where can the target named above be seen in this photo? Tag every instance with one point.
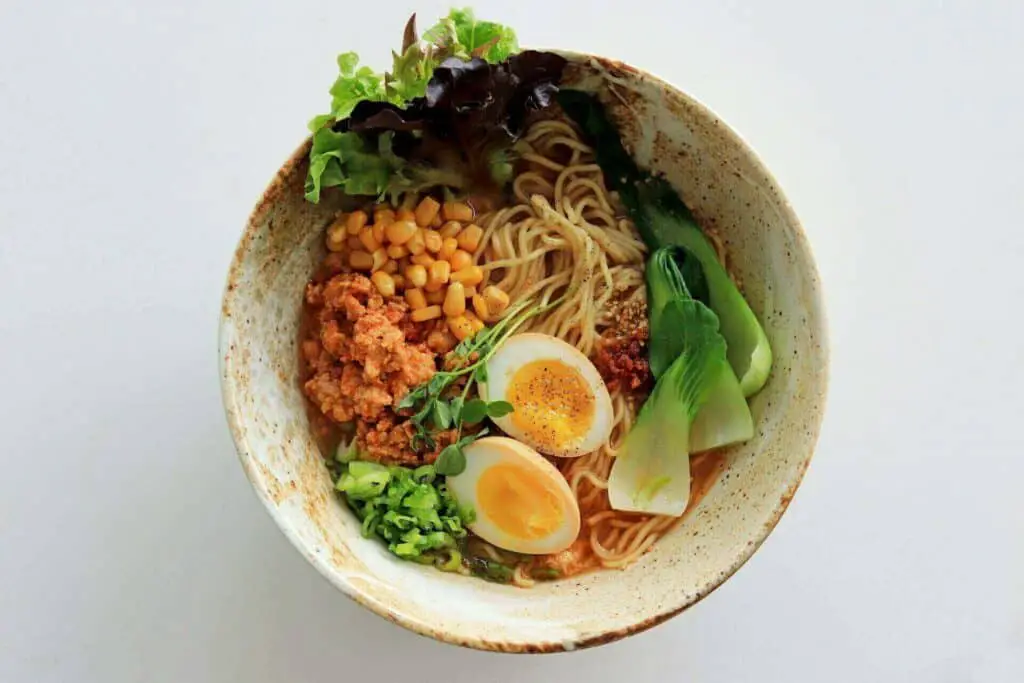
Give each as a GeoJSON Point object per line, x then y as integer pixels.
{"type": "Point", "coordinates": [518, 502]}
{"type": "Point", "coordinates": [554, 405]}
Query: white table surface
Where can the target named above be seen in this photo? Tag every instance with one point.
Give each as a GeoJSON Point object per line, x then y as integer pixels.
{"type": "Point", "coordinates": [135, 136]}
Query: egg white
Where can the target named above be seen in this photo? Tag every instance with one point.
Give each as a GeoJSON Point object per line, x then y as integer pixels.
{"type": "Point", "coordinates": [494, 450]}
{"type": "Point", "coordinates": [522, 349]}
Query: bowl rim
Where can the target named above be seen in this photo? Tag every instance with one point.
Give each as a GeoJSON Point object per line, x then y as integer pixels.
{"type": "Point", "coordinates": [234, 411]}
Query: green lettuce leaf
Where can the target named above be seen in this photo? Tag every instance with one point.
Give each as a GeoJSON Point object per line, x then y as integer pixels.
{"type": "Point", "coordinates": [462, 35]}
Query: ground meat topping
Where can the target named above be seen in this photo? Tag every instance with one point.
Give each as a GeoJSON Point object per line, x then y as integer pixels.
{"type": "Point", "coordinates": [621, 353]}
{"type": "Point", "coordinates": [365, 356]}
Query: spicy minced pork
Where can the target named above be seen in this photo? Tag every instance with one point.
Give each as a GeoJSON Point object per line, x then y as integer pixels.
{"type": "Point", "coordinates": [362, 355]}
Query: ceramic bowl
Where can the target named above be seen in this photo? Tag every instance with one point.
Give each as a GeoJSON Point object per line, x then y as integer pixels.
{"type": "Point", "coordinates": [727, 187]}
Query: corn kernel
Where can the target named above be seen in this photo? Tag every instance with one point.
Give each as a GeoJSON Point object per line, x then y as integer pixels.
{"type": "Point", "coordinates": [370, 243]}
{"type": "Point", "coordinates": [354, 243]}
{"type": "Point", "coordinates": [336, 237]}
{"type": "Point", "coordinates": [355, 222]}
{"type": "Point", "coordinates": [472, 275]}
{"type": "Point", "coordinates": [455, 300]}
{"type": "Point", "coordinates": [417, 275]}
{"type": "Point", "coordinates": [497, 300]}
{"type": "Point", "coordinates": [380, 257]}
{"type": "Point", "coordinates": [400, 232]}
{"type": "Point", "coordinates": [397, 251]}
{"type": "Point", "coordinates": [469, 238]}
{"type": "Point", "coordinates": [415, 298]}
{"type": "Point", "coordinates": [460, 327]}
{"type": "Point", "coordinates": [426, 211]}
{"type": "Point", "coordinates": [391, 267]}
{"type": "Point", "coordinates": [460, 259]}
{"type": "Point", "coordinates": [450, 229]}
{"type": "Point", "coordinates": [383, 216]}
{"type": "Point", "coordinates": [360, 260]}
{"type": "Point", "coordinates": [416, 245]}
{"type": "Point", "coordinates": [378, 232]}
{"type": "Point", "coordinates": [437, 296]}
{"type": "Point", "coordinates": [383, 282]}
{"type": "Point", "coordinates": [439, 271]}
{"type": "Point", "coordinates": [480, 306]}
{"type": "Point", "coordinates": [405, 215]}
{"type": "Point", "coordinates": [476, 323]}
{"type": "Point", "coordinates": [470, 291]}
{"type": "Point", "coordinates": [399, 281]}
{"type": "Point", "coordinates": [432, 240]}
{"type": "Point", "coordinates": [422, 259]}
{"type": "Point", "coordinates": [428, 313]}
{"type": "Point", "coordinates": [437, 222]}
{"type": "Point", "coordinates": [457, 211]}
{"type": "Point", "coordinates": [448, 247]}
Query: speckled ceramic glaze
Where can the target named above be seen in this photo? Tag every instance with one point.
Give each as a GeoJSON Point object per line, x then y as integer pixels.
{"type": "Point", "coordinates": [727, 187]}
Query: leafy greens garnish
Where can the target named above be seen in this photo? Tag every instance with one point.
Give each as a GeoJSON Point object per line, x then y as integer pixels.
{"type": "Point", "coordinates": [435, 408]}
{"type": "Point", "coordinates": [410, 510]}
{"type": "Point", "coordinates": [451, 107]}
{"type": "Point", "coordinates": [663, 219]}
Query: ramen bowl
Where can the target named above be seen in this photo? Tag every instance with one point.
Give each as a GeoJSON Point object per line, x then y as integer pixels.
{"type": "Point", "coordinates": [728, 189]}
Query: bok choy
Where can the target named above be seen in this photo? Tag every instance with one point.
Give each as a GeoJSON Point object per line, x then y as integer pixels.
{"type": "Point", "coordinates": [697, 402]}
{"type": "Point", "coordinates": [662, 220]}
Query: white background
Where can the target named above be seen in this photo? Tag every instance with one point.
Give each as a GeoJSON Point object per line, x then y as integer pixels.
{"type": "Point", "coordinates": [136, 136]}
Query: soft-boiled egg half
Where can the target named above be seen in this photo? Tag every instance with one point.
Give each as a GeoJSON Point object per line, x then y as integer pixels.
{"type": "Point", "coordinates": [522, 501]}
{"type": "Point", "coordinates": [561, 404]}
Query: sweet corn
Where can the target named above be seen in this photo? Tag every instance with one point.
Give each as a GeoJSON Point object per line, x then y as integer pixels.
{"type": "Point", "coordinates": [448, 247]}
{"type": "Point", "coordinates": [436, 297]}
{"type": "Point", "coordinates": [380, 257]}
{"type": "Point", "coordinates": [405, 215]}
{"type": "Point", "coordinates": [399, 281]}
{"type": "Point", "coordinates": [417, 275]}
{"type": "Point", "coordinates": [469, 238]}
{"type": "Point", "coordinates": [415, 245]}
{"type": "Point", "coordinates": [432, 240]}
{"type": "Point", "coordinates": [439, 271]}
{"type": "Point", "coordinates": [476, 323]}
{"type": "Point", "coordinates": [450, 229]}
{"type": "Point", "coordinates": [426, 211]}
{"type": "Point", "coordinates": [460, 327]}
{"type": "Point", "coordinates": [473, 275]}
{"type": "Point", "coordinates": [370, 242]}
{"type": "Point", "coordinates": [336, 237]}
{"type": "Point", "coordinates": [455, 300]}
{"type": "Point", "coordinates": [400, 232]}
{"type": "Point", "coordinates": [414, 297]}
{"type": "Point", "coordinates": [497, 300]}
{"type": "Point", "coordinates": [460, 259]}
{"type": "Point", "coordinates": [457, 211]}
{"type": "Point", "coordinates": [434, 286]}
{"type": "Point", "coordinates": [480, 306]}
{"type": "Point", "coordinates": [354, 243]}
{"type": "Point", "coordinates": [391, 267]}
{"type": "Point", "coordinates": [470, 291]}
{"type": "Point", "coordinates": [378, 232]}
{"type": "Point", "coordinates": [360, 260]}
{"type": "Point", "coordinates": [423, 259]}
{"type": "Point", "coordinates": [438, 221]}
{"type": "Point", "coordinates": [383, 282]}
{"type": "Point", "coordinates": [383, 215]}
{"type": "Point", "coordinates": [397, 251]}
{"type": "Point", "coordinates": [355, 222]}
{"type": "Point", "coordinates": [429, 313]}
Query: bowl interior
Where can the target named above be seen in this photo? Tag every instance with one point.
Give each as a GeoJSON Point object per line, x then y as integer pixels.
{"type": "Point", "coordinates": [727, 188]}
